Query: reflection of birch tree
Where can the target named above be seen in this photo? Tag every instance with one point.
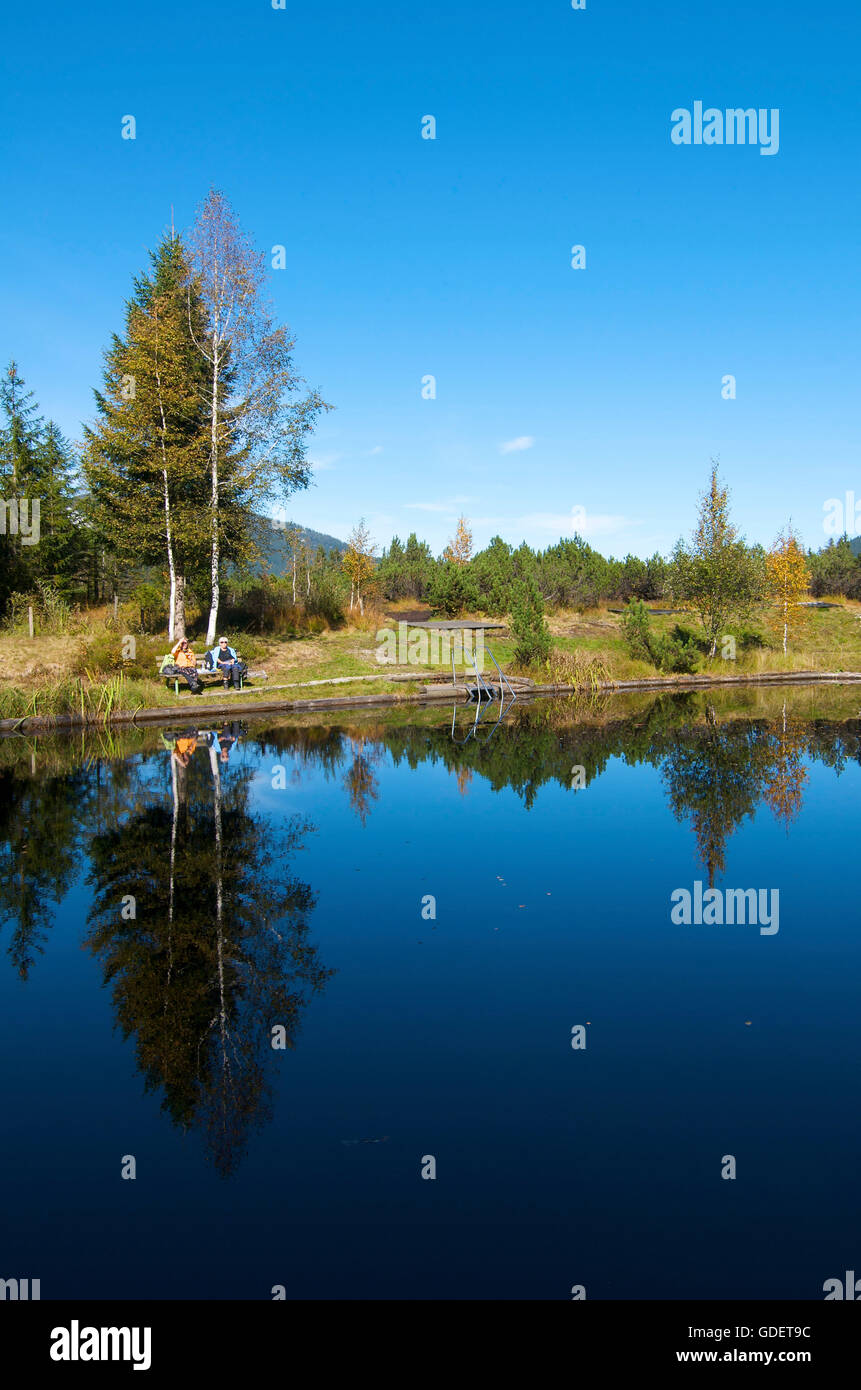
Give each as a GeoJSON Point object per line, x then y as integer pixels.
{"type": "Point", "coordinates": [360, 779]}
{"type": "Point", "coordinates": [784, 786]}
{"type": "Point", "coordinates": [217, 953]}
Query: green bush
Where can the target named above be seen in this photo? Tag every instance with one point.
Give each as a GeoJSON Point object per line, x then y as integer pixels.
{"type": "Point", "coordinates": [104, 654]}
{"type": "Point", "coordinates": [528, 626]}
{"type": "Point", "coordinates": [53, 616]}
{"type": "Point", "coordinates": [636, 631]}
{"type": "Point", "coordinates": [676, 651]}
{"type": "Point", "coordinates": [452, 590]}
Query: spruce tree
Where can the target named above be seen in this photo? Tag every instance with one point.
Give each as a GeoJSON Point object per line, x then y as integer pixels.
{"type": "Point", "coordinates": [20, 435]}
{"type": "Point", "coordinates": [58, 555]}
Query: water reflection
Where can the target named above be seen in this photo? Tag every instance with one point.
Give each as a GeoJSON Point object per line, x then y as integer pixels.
{"type": "Point", "coordinates": [200, 925]}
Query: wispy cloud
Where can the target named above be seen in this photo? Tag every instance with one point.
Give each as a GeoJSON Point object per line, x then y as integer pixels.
{"type": "Point", "coordinates": [516, 446]}
{"type": "Point", "coordinates": [322, 463]}
{"type": "Point", "coordinates": [451, 507]}
{"type": "Point", "coordinates": [377, 449]}
{"type": "Point", "coordinates": [585, 523]}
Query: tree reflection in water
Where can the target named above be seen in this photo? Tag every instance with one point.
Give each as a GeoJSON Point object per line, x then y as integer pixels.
{"type": "Point", "coordinates": [216, 952]}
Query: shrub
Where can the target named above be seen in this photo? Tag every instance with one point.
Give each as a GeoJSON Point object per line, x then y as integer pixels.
{"type": "Point", "coordinates": [534, 642]}
{"type": "Point", "coordinates": [636, 631]}
{"type": "Point", "coordinates": [676, 651]}
{"type": "Point", "coordinates": [103, 655]}
{"type": "Point", "coordinates": [452, 590]}
{"type": "Point", "coordinates": [53, 616]}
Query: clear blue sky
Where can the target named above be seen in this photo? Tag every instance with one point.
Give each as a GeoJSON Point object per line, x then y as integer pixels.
{"type": "Point", "coordinates": [451, 257]}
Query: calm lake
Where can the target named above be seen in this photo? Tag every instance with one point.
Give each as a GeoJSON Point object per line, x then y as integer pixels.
{"type": "Point", "coordinates": [374, 1009]}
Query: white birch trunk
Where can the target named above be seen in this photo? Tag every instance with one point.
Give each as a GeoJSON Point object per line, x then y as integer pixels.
{"type": "Point", "coordinates": [214, 500]}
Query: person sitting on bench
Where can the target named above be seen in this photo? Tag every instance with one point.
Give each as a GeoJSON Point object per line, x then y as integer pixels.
{"type": "Point", "coordinates": [185, 665]}
{"type": "Point", "coordinates": [224, 659]}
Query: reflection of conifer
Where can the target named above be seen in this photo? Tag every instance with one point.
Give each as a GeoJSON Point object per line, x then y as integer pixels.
{"type": "Point", "coordinates": [39, 836]}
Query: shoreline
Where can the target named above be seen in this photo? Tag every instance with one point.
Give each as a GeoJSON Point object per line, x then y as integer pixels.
{"type": "Point", "coordinates": [221, 709]}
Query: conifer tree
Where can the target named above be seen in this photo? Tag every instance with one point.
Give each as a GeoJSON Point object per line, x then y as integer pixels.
{"type": "Point", "coordinates": [146, 457]}
{"type": "Point", "coordinates": [20, 435]}
{"type": "Point", "coordinates": [19, 440]}
{"type": "Point", "coordinates": [58, 555]}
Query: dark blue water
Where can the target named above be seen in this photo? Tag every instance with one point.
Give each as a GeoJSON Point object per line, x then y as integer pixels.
{"type": "Point", "coordinates": [295, 897]}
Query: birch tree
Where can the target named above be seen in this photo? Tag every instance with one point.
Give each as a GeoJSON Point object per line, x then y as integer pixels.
{"type": "Point", "coordinates": [788, 582]}
{"type": "Point", "coordinates": [259, 421]}
{"type": "Point", "coordinates": [716, 575]}
{"type": "Point", "coordinates": [358, 561]}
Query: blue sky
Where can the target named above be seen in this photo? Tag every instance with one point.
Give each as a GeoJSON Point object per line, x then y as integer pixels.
{"type": "Point", "coordinates": [556, 388]}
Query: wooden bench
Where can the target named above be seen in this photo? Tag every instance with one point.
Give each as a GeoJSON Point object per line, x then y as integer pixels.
{"type": "Point", "coordinates": [205, 674]}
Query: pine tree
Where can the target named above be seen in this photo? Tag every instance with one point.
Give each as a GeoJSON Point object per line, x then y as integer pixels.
{"type": "Point", "coordinates": [534, 642]}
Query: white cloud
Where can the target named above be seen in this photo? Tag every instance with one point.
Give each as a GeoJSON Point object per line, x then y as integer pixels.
{"type": "Point", "coordinates": [451, 507]}
{"type": "Point", "coordinates": [377, 449]}
{"type": "Point", "coordinates": [585, 523]}
{"type": "Point", "coordinates": [321, 463]}
{"type": "Point", "coordinates": [516, 446]}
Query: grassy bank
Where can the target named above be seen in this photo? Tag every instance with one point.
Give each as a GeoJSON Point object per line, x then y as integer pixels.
{"type": "Point", "coordinates": [85, 674]}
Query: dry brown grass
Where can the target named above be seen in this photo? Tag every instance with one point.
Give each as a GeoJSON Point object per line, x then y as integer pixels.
{"type": "Point", "coordinates": [39, 660]}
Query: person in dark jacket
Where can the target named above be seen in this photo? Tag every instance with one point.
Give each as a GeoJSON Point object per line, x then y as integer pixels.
{"type": "Point", "coordinates": [223, 658]}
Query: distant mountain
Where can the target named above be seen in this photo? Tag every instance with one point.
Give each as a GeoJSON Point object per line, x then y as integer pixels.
{"type": "Point", "coordinates": [271, 541]}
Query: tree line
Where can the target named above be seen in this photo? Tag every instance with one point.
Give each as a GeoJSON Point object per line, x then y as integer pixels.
{"type": "Point", "coordinates": [715, 573]}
